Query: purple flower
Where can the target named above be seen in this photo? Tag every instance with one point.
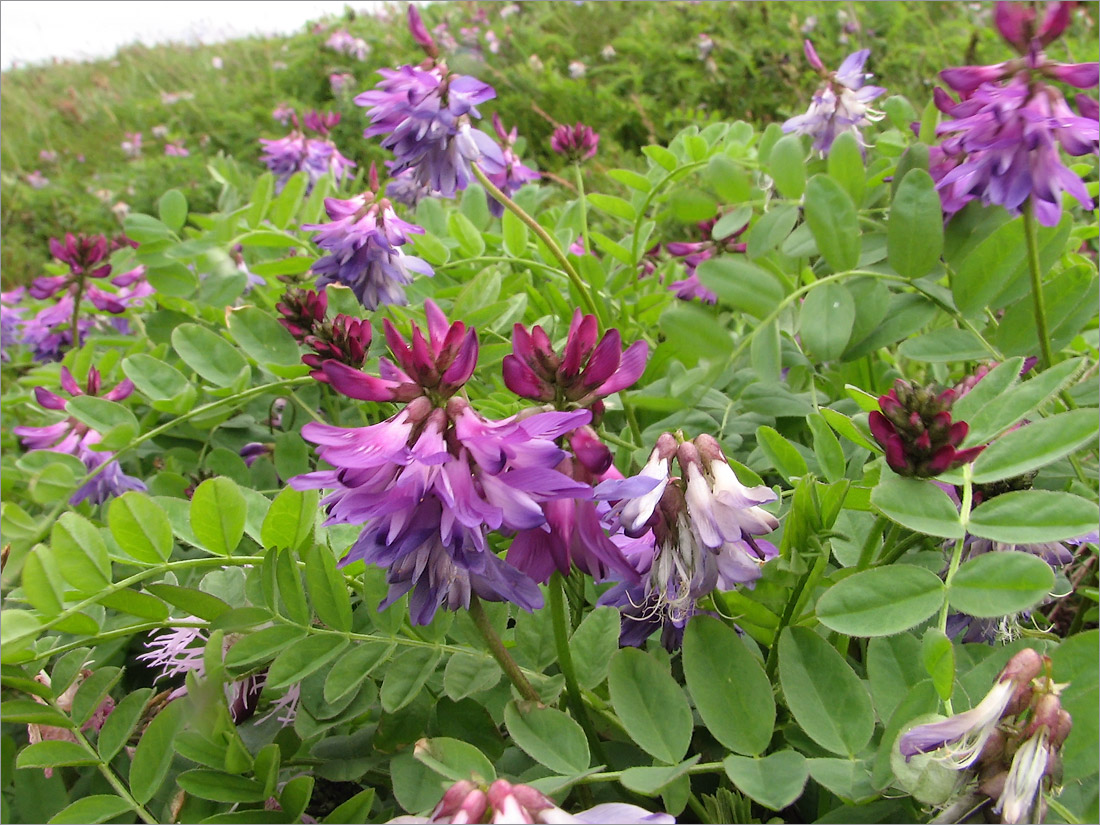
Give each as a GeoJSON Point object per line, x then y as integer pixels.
{"type": "Point", "coordinates": [77, 439]}
{"type": "Point", "coordinates": [429, 484]}
{"type": "Point", "coordinates": [36, 180]}
{"type": "Point", "coordinates": [176, 149]}
{"type": "Point", "coordinates": [841, 104]}
{"type": "Point", "coordinates": [283, 113]}
{"type": "Point", "coordinates": [514, 174]}
{"type": "Point", "coordinates": [704, 526]}
{"type": "Point", "coordinates": [364, 243]}
{"type": "Point", "coordinates": [11, 319]}
{"type": "Point", "coordinates": [131, 145]}
{"type": "Point", "coordinates": [405, 189]}
{"type": "Point", "coordinates": [344, 42]}
{"type": "Point", "coordinates": [49, 334]}
{"type": "Point", "coordinates": [576, 143]}
{"type": "Point", "coordinates": [1016, 23]}
{"type": "Point", "coordinates": [340, 81]}
{"type": "Point", "coordinates": [424, 114]}
{"type": "Point", "coordinates": [295, 152]}
{"type": "Point", "coordinates": [585, 372]}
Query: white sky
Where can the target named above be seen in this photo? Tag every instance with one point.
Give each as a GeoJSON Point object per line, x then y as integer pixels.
{"type": "Point", "coordinates": [35, 31]}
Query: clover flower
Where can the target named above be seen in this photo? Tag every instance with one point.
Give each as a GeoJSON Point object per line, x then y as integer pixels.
{"type": "Point", "coordinates": [503, 801]}
{"type": "Point", "coordinates": [514, 174]}
{"type": "Point", "coordinates": [575, 143]}
{"type": "Point", "coordinates": [583, 373]}
{"type": "Point", "coordinates": [842, 103]}
{"type": "Point", "coordinates": [915, 429]}
{"type": "Point", "coordinates": [363, 241]}
{"type": "Point", "coordinates": [704, 525]}
{"type": "Point", "coordinates": [77, 439]}
{"type": "Point", "coordinates": [1006, 129]}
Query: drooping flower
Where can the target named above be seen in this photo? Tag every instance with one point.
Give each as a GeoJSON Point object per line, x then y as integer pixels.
{"type": "Point", "coordinates": [363, 241]}
{"type": "Point", "coordinates": [77, 439]}
{"type": "Point", "coordinates": [583, 373]}
{"type": "Point", "coordinates": [575, 143]}
{"type": "Point", "coordinates": [915, 429]}
{"type": "Point", "coordinates": [503, 801]}
{"type": "Point", "coordinates": [842, 103]}
{"type": "Point", "coordinates": [704, 526]}
{"type": "Point", "coordinates": [696, 252]}
{"type": "Point", "coordinates": [514, 174]}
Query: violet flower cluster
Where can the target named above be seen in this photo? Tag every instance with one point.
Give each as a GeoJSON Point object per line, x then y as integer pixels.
{"type": "Point", "coordinates": [429, 484]}
{"type": "Point", "coordinates": [1009, 742]}
{"type": "Point", "coordinates": [695, 252]}
{"type": "Point", "coordinates": [78, 439]}
{"type": "Point", "coordinates": [424, 113]}
{"type": "Point", "coordinates": [575, 143]}
{"type": "Point", "coordinates": [698, 533]}
{"type": "Point", "coordinates": [363, 241]}
{"type": "Point", "coordinates": [1002, 144]}
{"type": "Point", "coordinates": [842, 103]}
{"type": "Point", "coordinates": [514, 173]}
{"type": "Point", "coordinates": [317, 157]}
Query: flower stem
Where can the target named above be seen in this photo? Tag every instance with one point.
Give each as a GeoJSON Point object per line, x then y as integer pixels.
{"type": "Point", "coordinates": [76, 313]}
{"type": "Point", "coordinates": [565, 662]}
{"type": "Point", "coordinates": [1031, 234]}
{"type": "Point", "coordinates": [499, 652]}
{"type": "Point", "coordinates": [583, 201]}
{"type": "Point", "coordinates": [544, 236]}
{"type": "Point", "coordinates": [960, 543]}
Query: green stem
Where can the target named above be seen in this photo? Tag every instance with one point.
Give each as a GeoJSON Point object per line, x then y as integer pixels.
{"type": "Point", "coordinates": [76, 313]}
{"type": "Point", "coordinates": [899, 549]}
{"type": "Point", "coordinates": [545, 237]}
{"type": "Point", "coordinates": [500, 259]}
{"type": "Point", "coordinates": [1031, 234]}
{"type": "Point", "coordinates": [631, 418]}
{"type": "Point", "coordinates": [614, 776]}
{"type": "Point", "coordinates": [583, 201]}
{"type": "Point", "coordinates": [565, 662]}
{"type": "Point", "coordinates": [697, 806]}
{"type": "Point", "coordinates": [109, 773]}
{"type": "Point", "coordinates": [784, 620]}
{"type": "Point", "coordinates": [498, 651]}
{"type": "Point", "coordinates": [676, 173]}
{"type": "Point", "coordinates": [960, 543]}
{"type": "Point", "coordinates": [873, 539]}
{"type": "Point", "coordinates": [618, 442]}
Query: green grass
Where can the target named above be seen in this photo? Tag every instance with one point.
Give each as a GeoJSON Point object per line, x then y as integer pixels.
{"type": "Point", "coordinates": [654, 85]}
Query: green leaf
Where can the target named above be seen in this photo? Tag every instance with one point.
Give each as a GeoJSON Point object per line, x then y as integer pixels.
{"type": "Point", "coordinates": [1075, 662]}
{"type": "Point", "coordinates": [741, 284]}
{"type": "Point", "coordinates": [787, 167]}
{"type": "Point", "coordinates": [109, 418]}
{"type": "Point", "coordinates": [208, 354]}
{"type": "Point", "coordinates": [650, 705]}
{"type": "Point", "coordinates": [833, 222]}
{"type": "Point", "coordinates": [136, 603]}
{"type": "Point", "coordinates": [89, 809]}
{"type": "Point", "coordinates": [30, 712]}
{"type": "Point", "coordinates": [121, 722]}
{"type": "Point", "coordinates": [302, 658]}
{"type": "Point", "coordinates": [164, 385]}
{"type": "Point", "coordinates": [914, 233]}
{"type": "Point", "coordinates": [938, 656]}
{"type": "Point", "coordinates": [893, 668]}
{"type": "Point", "coordinates": [295, 796]}
{"type": "Point", "coordinates": [220, 787]}
{"type": "Point", "coordinates": [467, 674]}
{"type": "Point", "coordinates": [775, 781]}
{"type": "Point", "coordinates": [145, 228]}
{"type": "Point", "coordinates": [14, 624]}
{"type": "Point", "coordinates": [80, 553]}
{"type": "Point", "coordinates": [218, 515]}
{"type": "Point", "coordinates": [845, 165]}
{"type": "Point", "coordinates": [731, 222]}
{"type": "Point", "coordinates": [41, 580]}
{"type": "Point", "coordinates": [261, 646]}
{"type": "Point", "coordinates": [140, 527]}
{"type": "Point", "coordinates": [263, 339]}
{"type": "Point", "coordinates": [189, 600]}
{"type": "Point", "coordinates": [406, 675]}
{"type": "Point", "coordinates": [844, 426]}
{"type": "Point", "coordinates": [548, 736]}
{"type": "Point", "coordinates": [882, 601]}
{"type": "Point", "coordinates": [612, 205]}
{"type": "Point", "coordinates": [54, 754]}
{"type": "Point", "coordinates": [353, 667]}
{"type": "Point", "coordinates": [826, 697]}
{"type": "Point", "coordinates": [289, 200]}
{"type": "Point", "coordinates": [514, 233]}
{"type": "Point", "coordinates": [998, 584]}
{"type": "Point", "coordinates": [632, 179]}
{"type": "Point", "coordinates": [825, 321]}
{"type": "Point", "coordinates": [729, 687]}
{"type": "Point", "coordinates": [1033, 517]}
{"type": "Point", "coordinates": [172, 208]}
{"type": "Point", "coordinates": [454, 759]}
{"type": "Point", "coordinates": [771, 229]}
{"type": "Point", "coordinates": [848, 779]}
{"type": "Point", "coordinates": [995, 382]}
{"type": "Point", "coordinates": [943, 345]}
{"type": "Point", "coordinates": [290, 519]}
{"type": "Point", "coordinates": [651, 781]}
{"type": "Point", "coordinates": [983, 272]}
{"type": "Point", "coordinates": [354, 810]}
{"type": "Point", "coordinates": [1020, 401]}
{"type": "Point", "coordinates": [1035, 445]}
{"type": "Point", "coordinates": [260, 200]}
{"type": "Point", "coordinates": [781, 453]}
{"type": "Point", "coordinates": [327, 590]}
{"type": "Point", "coordinates": [766, 353]}
{"type": "Point", "coordinates": [91, 692]}
{"type": "Point", "coordinates": [661, 156]}
{"type": "Point", "coordinates": [289, 582]}
{"type": "Point", "coordinates": [593, 644]}
{"type": "Point", "coordinates": [469, 238]}
{"type": "Point", "coordinates": [829, 453]}
{"type": "Point", "coordinates": [918, 505]}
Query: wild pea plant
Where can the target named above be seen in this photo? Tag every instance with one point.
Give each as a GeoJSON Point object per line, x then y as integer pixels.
{"type": "Point", "coordinates": [472, 498]}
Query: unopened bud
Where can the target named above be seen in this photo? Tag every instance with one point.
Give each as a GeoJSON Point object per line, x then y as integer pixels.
{"type": "Point", "coordinates": [994, 785]}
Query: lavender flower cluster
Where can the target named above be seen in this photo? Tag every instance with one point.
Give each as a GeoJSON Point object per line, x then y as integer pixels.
{"type": "Point", "coordinates": [296, 152]}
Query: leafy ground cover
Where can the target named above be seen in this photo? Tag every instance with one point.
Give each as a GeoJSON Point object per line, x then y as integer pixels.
{"type": "Point", "coordinates": [727, 456]}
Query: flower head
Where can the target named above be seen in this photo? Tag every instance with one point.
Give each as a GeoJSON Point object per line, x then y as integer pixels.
{"type": "Point", "coordinates": [131, 145]}
{"type": "Point", "coordinates": [513, 174]}
{"type": "Point", "coordinates": [841, 104]}
{"type": "Point", "coordinates": [915, 429]}
{"type": "Point", "coordinates": [363, 241]}
{"type": "Point", "coordinates": [583, 373]}
{"type": "Point", "coordinates": [576, 143]}
{"type": "Point", "coordinates": [176, 149]}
